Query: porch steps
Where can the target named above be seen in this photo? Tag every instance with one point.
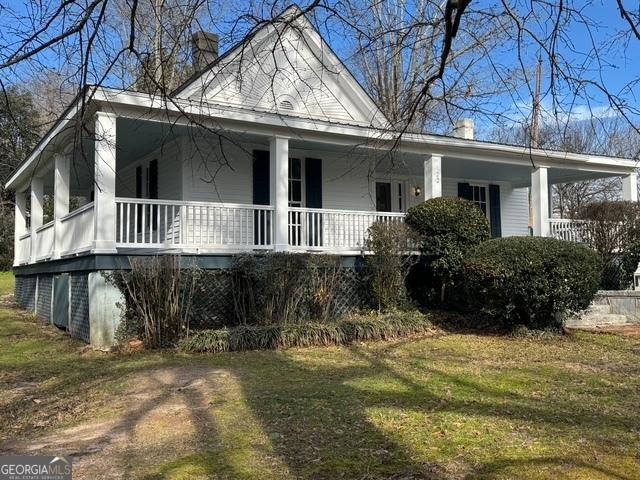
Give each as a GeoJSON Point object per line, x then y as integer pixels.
{"type": "Point", "coordinates": [599, 314]}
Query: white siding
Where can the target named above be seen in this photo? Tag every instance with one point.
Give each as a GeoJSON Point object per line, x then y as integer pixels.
{"type": "Point", "coordinates": [515, 211]}
{"type": "Point", "coordinates": [214, 174]}
{"type": "Point", "coordinates": [211, 177]}
{"type": "Point", "coordinates": [169, 173]}
{"type": "Point", "coordinates": [345, 183]}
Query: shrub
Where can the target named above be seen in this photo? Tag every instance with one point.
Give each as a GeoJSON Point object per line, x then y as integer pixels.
{"type": "Point", "coordinates": [158, 295]}
{"type": "Point", "coordinates": [285, 288]}
{"type": "Point", "coordinates": [613, 230]}
{"type": "Point", "coordinates": [391, 258]}
{"type": "Point", "coordinates": [268, 337]}
{"type": "Point", "coordinates": [447, 227]}
{"type": "Point", "coordinates": [529, 281]}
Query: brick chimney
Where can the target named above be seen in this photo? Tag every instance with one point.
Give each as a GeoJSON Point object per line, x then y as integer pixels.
{"type": "Point", "coordinates": [464, 129]}
{"type": "Point", "coordinates": [204, 49]}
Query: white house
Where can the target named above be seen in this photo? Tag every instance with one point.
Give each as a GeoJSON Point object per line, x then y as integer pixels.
{"type": "Point", "coordinates": [272, 146]}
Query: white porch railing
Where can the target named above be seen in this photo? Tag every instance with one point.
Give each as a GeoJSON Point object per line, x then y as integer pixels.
{"type": "Point", "coordinates": [23, 249]}
{"type": "Point", "coordinates": [177, 224]}
{"type": "Point", "coordinates": [570, 230]}
{"type": "Point", "coordinates": [77, 231]}
{"type": "Point", "coordinates": [333, 230]}
{"type": "Point", "coordinates": [44, 241]}
{"type": "Point", "coordinates": [200, 227]}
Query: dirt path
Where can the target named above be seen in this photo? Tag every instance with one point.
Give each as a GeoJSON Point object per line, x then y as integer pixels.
{"type": "Point", "coordinates": [163, 410]}
{"type": "Point", "coordinates": [626, 330]}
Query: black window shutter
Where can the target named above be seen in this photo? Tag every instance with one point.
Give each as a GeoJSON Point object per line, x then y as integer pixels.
{"type": "Point", "coordinates": [261, 193]}
{"type": "Point", "coordinates": [465, 191]}
{"type": "Point", "coordinates": [494, 211]}
{"type": "Point", "coordinates": [153, 179]}
{"type": "Point", "coordinates": [261, 196]}
{"type": "Point", "coordinates": [313, 182]}
{"type": "Point", "coordinates": [139, 182]}
{"type": "Point", "coordinates": [139, 195]}
{"type": "Point", "coordinates": [313, 198]}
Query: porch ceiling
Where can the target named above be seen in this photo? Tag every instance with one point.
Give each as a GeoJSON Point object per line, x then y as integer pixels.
{"type": "Point", "coordinates": [137, 137]}
{"type": "Point", "coordinates": [467, 169]}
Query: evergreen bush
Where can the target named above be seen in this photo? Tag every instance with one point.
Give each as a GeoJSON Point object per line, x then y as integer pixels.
{"type": "Point", "coordinates": [529, 281]}
{"type": "Point", "coordinates": [448, 227]}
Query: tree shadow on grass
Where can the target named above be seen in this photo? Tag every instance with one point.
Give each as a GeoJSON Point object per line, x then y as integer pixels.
{"type": "Point", "coordinates": [326, 413]}
{"type": "Point", "coordinates": [323, 417]}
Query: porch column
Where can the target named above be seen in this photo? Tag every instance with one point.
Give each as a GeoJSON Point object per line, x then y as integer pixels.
{"type": "Point", "coordinates": [540, 202]}
{"type": "Point", "coordinates": [60, 200]}
{"type": "Point", "coordinates": [279, 174]}
{"type": "Point", "coordinates": [37, 199]}
{"type": "Point", "coordinates": [104, 202]}
{"type": "Point", "coordinates": [630, 187]}
{"type": "Point", "coordinates": [433, 177]}
{"type": "Point", "coordinates": [20, 222]}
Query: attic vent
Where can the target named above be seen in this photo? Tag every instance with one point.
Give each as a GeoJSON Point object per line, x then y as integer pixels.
{"type": "Point", "coordinates": [286, 105]}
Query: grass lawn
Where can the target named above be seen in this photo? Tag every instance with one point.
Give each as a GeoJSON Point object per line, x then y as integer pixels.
{"type": "Point", "coordinates": [454, 406]}
{"type": "Point", "coordinates": [6, 283]}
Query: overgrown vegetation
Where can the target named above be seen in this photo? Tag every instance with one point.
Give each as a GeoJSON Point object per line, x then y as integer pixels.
{"type": "Point", "coordinates": [447, 227]}
{"type": "Point", "coordinates": [391, 246]}
{"type": "Point", "coordinates": [352, 329]}
{"type": "Point", "coordinates": [613, 230]}
{"type": "Point", "coordinates": [284, 288]}
{"type": "Point", "coordinates": [158, 295]}
{"type": "Point", "coordinates": [529, 281]}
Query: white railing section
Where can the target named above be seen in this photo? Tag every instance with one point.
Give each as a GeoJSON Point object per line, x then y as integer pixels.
{"type": "Point", "coordinates": [160, 223]}
{"type": "Point", "coordinates": [569, 230]}
{"type": "Point", "coordinates": [44, 241]}
{"type": "Point", "coordinates": [23, 249]}
{"type": "Point", "coordinates": [334, 230]}
{"type": "Point", "coordinates": [77, 231]}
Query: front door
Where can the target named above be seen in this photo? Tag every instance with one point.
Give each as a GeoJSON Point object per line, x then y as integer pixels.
{"type": "Point", "coordinates": [383, 197]}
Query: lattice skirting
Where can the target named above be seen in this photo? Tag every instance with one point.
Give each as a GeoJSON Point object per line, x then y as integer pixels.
{"type": "Point", "coordinates": [25, 291]}
{"type": "Point", "coordinates": [79, 307]}
{"type": "Point", "coordinates": [32, 290]}
{"type": "Point", "coordinates": [45, 290]}
{"type": "Point", "coordinates": [212, 305]}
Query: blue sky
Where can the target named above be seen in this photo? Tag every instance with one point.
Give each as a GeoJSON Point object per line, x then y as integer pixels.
{"type": "Point", "coordinates": [619, 67]}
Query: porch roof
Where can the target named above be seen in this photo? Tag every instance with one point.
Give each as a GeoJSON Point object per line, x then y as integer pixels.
{"type": "Point", "coordinates": [510, 163]}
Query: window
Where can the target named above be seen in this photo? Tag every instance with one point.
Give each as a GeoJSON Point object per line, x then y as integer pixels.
{"type": "Point", "coordinates": [295, 182]}
{"type": "Point", "coordinates": [295, 200]}
{"type": "Point", "coordinates": [390, 196]}
{"type": "Point", "coordinates": [479, 197]}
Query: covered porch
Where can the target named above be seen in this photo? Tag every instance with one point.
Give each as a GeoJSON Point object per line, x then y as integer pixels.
{"type": "Point", "coordinates": [142, 186]}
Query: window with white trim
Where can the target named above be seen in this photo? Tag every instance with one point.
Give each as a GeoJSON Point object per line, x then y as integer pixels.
{"type": "Point", "coordinates": [295, 182]}
{"type": "Point", "coordinates": [479, 197]}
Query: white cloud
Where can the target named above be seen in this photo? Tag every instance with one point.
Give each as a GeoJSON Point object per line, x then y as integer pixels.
{"type": "Point", "coordinates": [575, 113]}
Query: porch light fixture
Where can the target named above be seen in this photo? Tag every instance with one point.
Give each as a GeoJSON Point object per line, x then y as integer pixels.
{"type": "Point", "coordinates": [417, 191]}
